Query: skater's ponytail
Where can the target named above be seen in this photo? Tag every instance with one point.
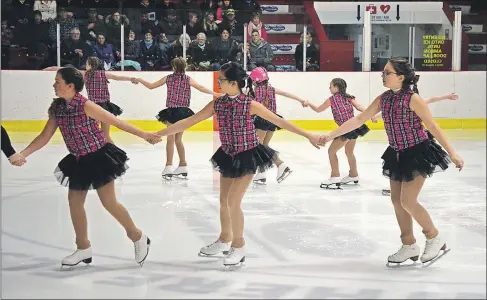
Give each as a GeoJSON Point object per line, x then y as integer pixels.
{"type": "Point", "coordinates": [235, 72]}
{"type": "Point", "coordinates": [250, 86]}
{"type": "Point", "coordinates": [414, 84]}
{"type": "Point", "coordinates": [341, 85]}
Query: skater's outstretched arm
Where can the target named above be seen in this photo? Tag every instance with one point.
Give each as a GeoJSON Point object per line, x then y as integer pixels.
{"type": "Point", "coordinates": [150, 85]}
{"type": "Point", "coordinates": [420, 107]}
{"type": "Point", "coordinates": [182, 125]}
{"type": "Point", "coordinates": [55, 68]}
{"type": "Point", "coordinates": [434, 99]}
{"type": "Point", "coordinates": [96, 112]}
{"type": "Point", "coordinates": [290, 96]}
{"type": "Point", "coordinates": [356, 121]}
{"type": "Point", "coordinates": [357, 105]}
{"type": "Point", "coordinates": [316, 108]}
{"type": "Point", "coordinates": [260, 110]}
{"type": "Point", "coordinates": [202, 89]}
{"type": "Point", "coordinates": [118, 78]}
{"type": "Point", "coordinates": [42, 139]}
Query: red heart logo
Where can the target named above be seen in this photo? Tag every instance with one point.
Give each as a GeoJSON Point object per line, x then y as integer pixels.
{"type": "Point", "coordinates": [385, 8]}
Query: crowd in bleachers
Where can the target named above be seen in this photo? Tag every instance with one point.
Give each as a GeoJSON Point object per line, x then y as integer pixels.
{"type": "Point", "coordinates": [153, 34]}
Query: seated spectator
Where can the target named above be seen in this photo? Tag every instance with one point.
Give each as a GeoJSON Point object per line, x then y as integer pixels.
{"type": "Point", "coordinates": [75, 51]}
{"type": "Point", "coordinates": [7, 37]}
{"type": "Point", "coordinates": [231, 23]}
{"type": "Point", "coordinates": [147, 25]}
{"type": "Point", "coordinates": [132, 47]}
{"type": "Point", "coordinates": [150, 8]}
{"type": "Point", "coordinates": [209, 6]}
{"type": "Point", "coordinates": [38, 41]}
{"type": "Point", "coordinates": [104, 51]}
{"type": "Point", "coordinates": [185, 7]}
{"type": "Point", "coordinates": [91, 26]}
{"type": "Point", "coordinates": [149, 53]}
{"type": "Point", "coordinates": [312, 55]}
{"type": "Point", "coordinates": [220, 11]}
{"type": "Point", "coordinates": [256, 24]}
{"type": "Point", "coordinates": [165, 48]}
{"type": "Point", "coordinates": [202, 54]}
{"type": "Point", "coordinates": [66, 24]}
{"type": "Point", "coordinates": [260, 53]}
{"type": "Point", "coordinates": [194, 25]}
{"type": "Point", "coordinates": [210, 28]}
{"type": "Point", "coordinates": [113, 24]}
{"type": "Point", "coordinates": [225, 49]}
{"type": "Point", "coordinates": [177, 47]}
{"type": "Point", "coordinates": [162, 7]}
{"type": "Point", "coordinates": [47, 9]}
{"type": "Point", "coordinates": [245, 9]}
{"type": "Point", "coordinates": [171, 26]}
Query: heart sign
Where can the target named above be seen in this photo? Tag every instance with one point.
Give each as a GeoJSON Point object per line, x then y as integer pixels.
{"type": "Point", "coordinates": [385, 8]}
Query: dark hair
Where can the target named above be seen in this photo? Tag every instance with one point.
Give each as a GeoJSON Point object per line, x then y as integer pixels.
{"type": "Point", "coordinates": [255, 30]}
{"type": "Point", "coordinates": [250, 85]}
{"type": "Point", "coordinates": [415, 85]}
{"type": "Point", "coordinates": [70, 75]}
{"type": "Point", "coordinates": [342, 87]}
{"type": "Point", "coordinates": [235, 72]}
{"type": "Point", "coordinates": [179, 64]}
{"type": "Point", "coordinates": [402, 67]}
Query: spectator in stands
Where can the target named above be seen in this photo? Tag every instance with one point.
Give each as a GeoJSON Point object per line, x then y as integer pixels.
{"type": "Point", "coordinates": [209, 6]}
{"type": "Point", "coordinates": [47, 9]}
{"type": "Point", "coordinates": [177, 47]}
{"type": "Point", "coordinates": [260, 53]}
{"type": "Point", "coordinates": [21, 31]}
{"type": "Point", "coordinates": [66, 25]}
{"type": "Point", "coordinates": [165, 48]}
{"type": "Point", "coordinates": [132, 47]}
{"type": "Point", "coordinates": [231, 23]}
{"type": "Point", "coordinates": [194, 25]}
{"type": "Point", "coordinates": [210, 27]}
{"type": "Point", "coordinates": [245, 9]}
{"type": "Point", "coordinates": [256, 24]}
{"type": "Point", "coordinates": [75, 51]}
{"type": "Point", "coordinates": [162, 7]}
{"type": "Point", "coordinates": [220, 12]}
{"type": "Point", "coordinates": [91, 26]}
{"type": "Point", "coordinates": [7, 37]}
{"type": "Point", "coordinates": [225, 49]}
{"type": "Point", "coordinates": [37, 41]}
{"type": "Point", "coordinates": [114, 22]}
{"type": "Point", "coordinates": [171, 26]}
{"type": "Point", "coordinates": [202, 54]}
{"type": "Point", "coordinates": [21, 10]}
{"type": "Point", "coordinates": [149, 53]}
{"type": "Point", "coordinates": [104, 51]}
{"type": "Point", "coordinates": [312, 55]}
{"type": "Point", "coordinates": [187, 6]}
{"type": "Point", "coordinates": [147, 25]}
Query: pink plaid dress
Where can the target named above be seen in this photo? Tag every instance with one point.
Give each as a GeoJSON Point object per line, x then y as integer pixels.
{"type": "Point", "coordinates": [178, 90]}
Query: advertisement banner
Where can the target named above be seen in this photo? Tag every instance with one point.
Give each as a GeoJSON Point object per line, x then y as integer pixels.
{"type": "Point", "coordinates": [275, 9]}
{"type": "Point", "coordinates": [477, 49]}
{"type": "Point", "coordinates": [284, 48]}
{"type": "Point", "coordinates": [280, 28]}
{"type": "Point", "coordinates": [473, 28]}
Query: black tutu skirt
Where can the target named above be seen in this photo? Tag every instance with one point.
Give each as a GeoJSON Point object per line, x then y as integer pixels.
{"type": "Point", "coordinates": [423, 159]}
{"type": "Point", "coordinates": [174, 114]}
{"type": "Point", "coordinates": [93, 170]}
{"type": "Point", "coordinates": [265, 125]}
{"type": "Point", "coordinates": [244, 163]}
{"type": "Point", "coordinates": [111, 108]}
{"type": "Point", "coordinates": [355, 134]}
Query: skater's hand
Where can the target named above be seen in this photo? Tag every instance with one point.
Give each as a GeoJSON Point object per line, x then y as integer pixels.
{"type": "Point", "coordinates": [458, 161]}
{"type": "Point", "coordinates": [305, 103]}
{"type": "Point", "coordinates": [161, 132]}
{"type": "Point", "coordinates": [314, 139]}
{"type": "Point", "coordinates": [135, 80]}
{"type": "Point", "coordinates": [374, 119]}
{"type": "Point", "coordinates": [324, 139]}
{"type": "Point", "coordinates": [17, 159]}
{"type": "Point", "coordinates": [152, 138]}
{"type": "Point", "coordinates": [452, 96]}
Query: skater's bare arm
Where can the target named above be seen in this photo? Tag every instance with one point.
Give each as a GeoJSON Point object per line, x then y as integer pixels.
{"type": "Point", "coordinates": [202, 89]}
{"type": "Point", "coordinates": [118, 78]}
{"type": "Point", "coordinates": [151, 85]}
{"type": "Point", "coordinates": [96, 112]}
{"type": "Point", "coordinates": [357, 105]}
{"type": "Point", "coordinates": [357, 121]}
{"type": "Point", "coordinates": [290, 96]}
{"type": "Point", "coordinates": [434, 99]}
{"type": "Point", "coordinates": [319, 108]}
{"type": "Point", "coordinates": [42, 139]}
{"type": "Point", "coordinates": [202, 115]}
{"type": "Point", "coordinates": [54, 68]}
{"type": "Point", "coordinates": [420, 107]}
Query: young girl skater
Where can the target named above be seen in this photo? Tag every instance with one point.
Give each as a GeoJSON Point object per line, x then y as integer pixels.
{"type": "Point", "coordinates": [430, 100]}
{"type": "Point", "coordinates": [265, 94]}
{"type": "Point", "coordinates": [177, 102]}
{"type": "Point", "coordinates": [239, 157]}
{"type": "Point", "coordinates": [93, 163]}
{"type": "Point", "coordinates": [96, 80]}
{"type": "Point", "coordinates": [410, 157]}
{"type": "Point", "coordinates": [342, 105]}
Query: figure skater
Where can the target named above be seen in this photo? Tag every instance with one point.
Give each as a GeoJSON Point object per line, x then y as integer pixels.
{"type": "Point", "coordinates": [265, 94]}
{"type": "Point", "coordinates": [93, 163]}
{"type": "Point", "coordinates": [14, 158]}
{"type": "Point", "coordinates": [239, 157]}
{"type": "Point", "coordinates": [342, 105]}
{"type": "Point", "coordinates": [410, 157]}
{"type": "Point", "coordinates": [177, 102]}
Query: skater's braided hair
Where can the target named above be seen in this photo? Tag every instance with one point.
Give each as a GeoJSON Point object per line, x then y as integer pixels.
{"type": "Point", "coordinates": [402, 67]}
{"type": "Point", "coordinates": [414, 87]}
{"type": "Point", "coordinates": [96, 64]}
{"type": "Point", "coordinates": [179, 65]}
{"type": "Point", "coordinates": [70, 75]}
{"type": "Point", "coordinates": [250, 85]}
{"type": "Point", "coordinates": [341, 85]}
{"type": "Point", "coordinates": [235, 72]}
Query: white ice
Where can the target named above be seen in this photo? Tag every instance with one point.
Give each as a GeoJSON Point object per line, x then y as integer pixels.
{"type": "Point", "coordinates": [302, 241]}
